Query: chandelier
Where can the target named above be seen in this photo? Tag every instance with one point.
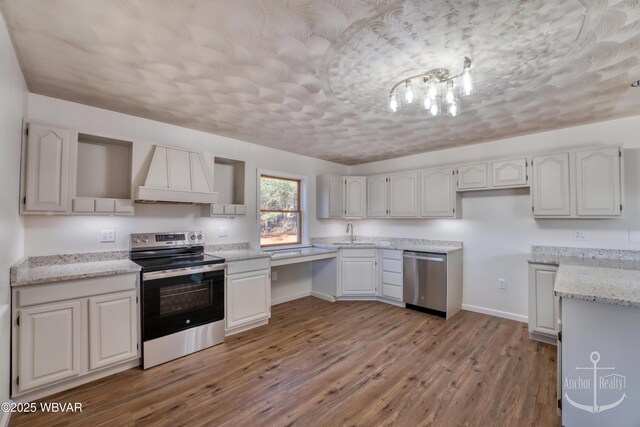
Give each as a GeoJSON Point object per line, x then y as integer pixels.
{"type": "Point", "coordinates": [435, 91]}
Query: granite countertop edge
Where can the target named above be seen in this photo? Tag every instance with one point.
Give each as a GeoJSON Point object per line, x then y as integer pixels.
{"type": "Point", "coordinates": [59, 268]}
{"type": "Point", "coordinates": [594, 278]}
{"type": "Point", "coordinates": [418, 248]}
{"type": "Point", "coordinates": [38, 275]}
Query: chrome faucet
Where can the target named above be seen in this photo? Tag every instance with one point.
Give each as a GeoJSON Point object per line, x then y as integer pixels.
{"type": "Point", "coordinates": [350, 229]}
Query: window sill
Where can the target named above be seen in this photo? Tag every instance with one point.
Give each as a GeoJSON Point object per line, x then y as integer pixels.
{"type": "Point", "coordinates": [285, 248]}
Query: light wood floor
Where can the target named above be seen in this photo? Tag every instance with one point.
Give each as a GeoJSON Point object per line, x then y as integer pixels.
{"type": "Point", "coordinates": [327, 364]}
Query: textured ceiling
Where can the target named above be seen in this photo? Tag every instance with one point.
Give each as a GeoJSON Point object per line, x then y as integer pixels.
{"type": "Point", "coordinates": [312, 77]}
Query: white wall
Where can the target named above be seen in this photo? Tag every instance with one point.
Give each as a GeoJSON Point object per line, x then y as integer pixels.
{"type": "Point", "coordinates": [497, 226]}
{"type": "Point", "coordinates": [13, 101]}
{"type": "Point", "coordinates": [50, 235]}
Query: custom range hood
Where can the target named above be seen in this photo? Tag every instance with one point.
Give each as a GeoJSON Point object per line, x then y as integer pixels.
{"type": "Point", "coordinates": [177, 175]}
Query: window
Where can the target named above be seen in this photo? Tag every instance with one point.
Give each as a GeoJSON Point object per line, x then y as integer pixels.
{"type": "Point", "coordinates": [280, 212]}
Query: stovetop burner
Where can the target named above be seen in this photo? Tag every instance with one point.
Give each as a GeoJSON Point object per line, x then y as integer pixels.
{"type": "Point", "coordinates": [167, 251]}
{"type": "Point", "coordinates": [177, 261]}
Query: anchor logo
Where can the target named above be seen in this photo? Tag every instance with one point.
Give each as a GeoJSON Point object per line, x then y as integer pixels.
{"type": "Point", "coordinates": [611, 381]}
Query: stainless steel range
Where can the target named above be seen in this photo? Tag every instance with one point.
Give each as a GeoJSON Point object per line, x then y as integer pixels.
{"type": "Point", "coordinates": [182, 294]}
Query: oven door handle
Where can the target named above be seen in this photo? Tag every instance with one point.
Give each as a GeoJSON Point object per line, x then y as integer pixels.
{"type": "Point", "coordinates": [182, 271]}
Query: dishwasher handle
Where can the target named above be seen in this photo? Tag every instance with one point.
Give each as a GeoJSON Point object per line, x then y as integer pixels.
{"type": "Point", "coordinates": [417, 255]}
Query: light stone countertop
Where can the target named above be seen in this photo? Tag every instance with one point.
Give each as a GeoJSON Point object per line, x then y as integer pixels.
{"type": "Point", "coordinates": [238, 254]}
{"type": "Point", "coordinates": [365, 242]}
{"type": "Point", "coordinates": [599, 284]}
{"type": "Point", "coordinates": [57, 268]}
{"type": "Point", "coordinates": [243, 254]}
{"type": "Point", "coordinates": [28, 274]}
{"type": "Point", "coordinates": [302, 252]}
{"type": "Point", "coordinates": [608, 276]}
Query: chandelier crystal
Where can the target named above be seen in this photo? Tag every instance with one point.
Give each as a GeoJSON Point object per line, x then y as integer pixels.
{"type": "Point", "coordinates": [436, 91]}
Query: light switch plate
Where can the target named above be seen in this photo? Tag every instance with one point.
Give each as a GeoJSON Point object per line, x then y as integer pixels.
{"type": "Point", "coordinates": [107, 236]}
{"type": "Point", "coordinates": [222, 232]}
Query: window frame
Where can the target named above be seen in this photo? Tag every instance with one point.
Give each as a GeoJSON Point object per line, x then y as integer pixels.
{"type": "Point", "coordinates": [302, 195]}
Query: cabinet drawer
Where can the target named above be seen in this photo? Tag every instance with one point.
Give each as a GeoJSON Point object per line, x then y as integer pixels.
{"type": "Point", "coordinates": [391, 291]}
{"type": "Point", "coordinates": [240, 209]}
{"type": "Point", "coordinates": [236, 267]}
{"type": "Point", "coordinates": [217, 209]}
{"type": "Point", "coordinates": [392, 265]}
{"type": "Point", "coordinates": [229, 209]}
{"type": "Point", "coordinates": [358, 253]}
{"type": "Point", "coordinates": [105, 205]}
{"type": "Point", "coordinates": [124, 206]}
{"type": "Point", "coordinates": [83, 204]}
{"type": "Point", "coordinates": [392, 278]}
{"type": "Point", "coordinates": [392, 254]}
{"type": "Point", "coordinates": [73, 289]}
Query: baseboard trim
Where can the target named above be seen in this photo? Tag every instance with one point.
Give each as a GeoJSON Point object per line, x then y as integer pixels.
{"type": "Point", "coordinates": [325, 297]}
{"type": "Point", "coordinates": [288, 298]}
{"type": "Point", "coordinates": [549, 339]}
{"type": "Point", "coordinates": [5, 417]}
{"type": "Point", "coordinates": [392, 302]}
{"type": "Point", "coordinates": [75, 382]}
{"type": "Point", "coordinates": [496, 313]}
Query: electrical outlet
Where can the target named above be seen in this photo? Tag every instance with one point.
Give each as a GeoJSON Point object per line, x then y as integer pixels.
{"type": "Point", "coordinates": [107, 236]}
{"type": "Point", "coordinates": [274, 275]}
{"type": "Point", "coordinates": [222, 232]}
{"type": "Point", "coordinates": [579, 235]}
{"type": "Point", "coordinates": [502, 284]}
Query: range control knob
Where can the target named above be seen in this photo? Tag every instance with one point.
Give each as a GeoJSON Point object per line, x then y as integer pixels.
{"type": "Point", "coordinates": [199, 236]}
{"type": "Point", "coordinates": [145, 239]}
{"type": "Point", "coordinates": [136, 240]}
{"type": "Point", "coordinates": [193, 237]}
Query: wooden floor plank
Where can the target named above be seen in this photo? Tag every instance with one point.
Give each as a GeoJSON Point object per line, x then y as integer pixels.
{"type": "Point", "coordinates": [326, 364]}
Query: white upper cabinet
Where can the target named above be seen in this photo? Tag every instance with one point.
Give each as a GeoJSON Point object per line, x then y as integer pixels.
{"type": "Point", "coordinates": [329, 196]}
{"type": "Point", "coordinates": [336, 196]}
{"type": "Point", "coordinates": [377, 196]}
{"type": "Point", "coordinates": [473, 177]}
{"type": "Point", "coordinates": [550, 185]}
{"type": "Point", "coordinates": [403, 194]}
{"type": "Point", "coordinates": [437, 193]}
{"type": "Point", "coordinates": [355, 191]}
{"type": "Point", "coordinates": [509, 173]}
{"type": "Point", "coordinates": [598, 182]}
{"type": "Point", "coordinates": [47, 169]}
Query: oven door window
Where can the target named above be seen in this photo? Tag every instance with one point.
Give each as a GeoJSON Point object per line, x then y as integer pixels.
{"type": "Point", "coordinates": [177, 303]}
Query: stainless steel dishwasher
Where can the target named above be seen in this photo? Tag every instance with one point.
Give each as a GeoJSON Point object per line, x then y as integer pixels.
{"type": "Point", "coordinates": [425, 281]}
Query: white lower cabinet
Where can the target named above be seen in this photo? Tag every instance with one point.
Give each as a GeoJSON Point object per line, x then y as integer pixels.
{"type": "Point", "coordinates": [248, 294]}
{"type": "Point", "coordinates": [358, 272]}
{"type": "Point", "coordinates": [391, 274]}
{"type": "Point", "coordinates": [543, 304]}
{"type": "Point", "coordinates": [113, 329]}
{"type": "Point", "coordinates": [69, 333]}
{"type": "Point", "coordinates": [49, 344]}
